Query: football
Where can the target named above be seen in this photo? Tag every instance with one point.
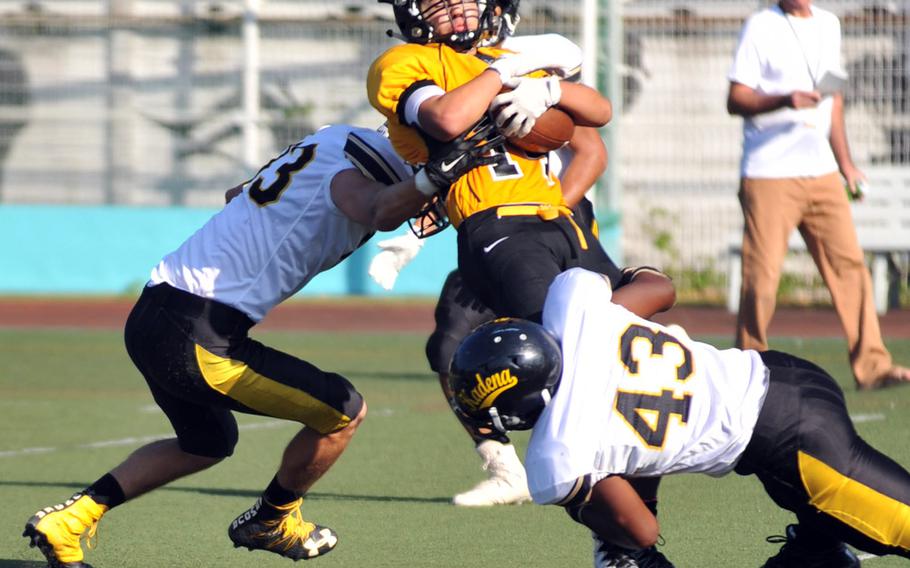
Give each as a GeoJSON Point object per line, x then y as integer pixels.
{"type": "Point", "coordinates": [553, 129]}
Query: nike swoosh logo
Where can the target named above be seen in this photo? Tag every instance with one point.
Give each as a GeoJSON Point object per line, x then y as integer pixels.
{"type": "Point", "coordinates": [446, 166]}
{"type": "Point", "coordinates": [489, 247]}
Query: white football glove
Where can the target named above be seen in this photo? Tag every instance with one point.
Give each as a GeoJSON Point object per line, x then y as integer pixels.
{"type": "Point", "coordinates": [517, 111]}
{"type": "Point", "coordinates": [394, 254]}
{"type": "Point", "coordinates": [512, 66]}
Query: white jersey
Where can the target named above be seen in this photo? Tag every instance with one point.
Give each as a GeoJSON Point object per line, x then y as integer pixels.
{"type": "Point", "coordinates": [284, 229]}
{"type": "Point", "coordinates": [778, 54]}
{"type": "Point", "coordinates": [552, 47]}
{"type": "Point", "coordinates": [636, 398]}
{"type": "Point", "coordinates": [566, 52]}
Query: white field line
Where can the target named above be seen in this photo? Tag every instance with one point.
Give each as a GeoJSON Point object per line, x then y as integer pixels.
{"type": "Point", "coordinates": [857, 418]}
{"type": "Point", "coordinates": [860, 418]}
{"type": "Point", "coordinates": [276, 424]}
{"type": "Point", "coordinates": [127, 441]}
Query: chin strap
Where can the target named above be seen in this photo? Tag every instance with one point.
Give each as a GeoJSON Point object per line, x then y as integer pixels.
{"type": "Point", "coordinates": [497, 421]}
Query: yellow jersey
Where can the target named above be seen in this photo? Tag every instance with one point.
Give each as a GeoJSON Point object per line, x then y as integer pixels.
{"type": "Point", "coordinates": [515, 178]}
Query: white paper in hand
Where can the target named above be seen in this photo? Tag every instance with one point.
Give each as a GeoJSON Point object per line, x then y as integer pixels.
{"type": "Point", "coordinates": [831, 83]}
{"type": "Point", "coordinates": [395, 253]}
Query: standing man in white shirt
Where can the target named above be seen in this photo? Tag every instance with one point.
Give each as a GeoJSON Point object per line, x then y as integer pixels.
{"type": "Point", "coordinates": [612, 396]}
{"type": "Point", "coordinates": [188, 334]}
{"type": "Point", "coordinates": [786, 82]}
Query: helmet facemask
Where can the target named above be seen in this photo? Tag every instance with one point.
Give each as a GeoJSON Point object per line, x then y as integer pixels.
{"type": "Point", "coordinates": [503, 18]}
{"type": "Point", "coordinates": [415, 25]}
{"type": "Point", "coordinates": [431, 219]}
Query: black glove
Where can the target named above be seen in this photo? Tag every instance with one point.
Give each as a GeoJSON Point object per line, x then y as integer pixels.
{"type": "Point", "coordinates": [451, 160]}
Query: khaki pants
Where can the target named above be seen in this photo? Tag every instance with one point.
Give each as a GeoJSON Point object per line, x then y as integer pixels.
{"type": "Point", "coordinates": [818, 207]}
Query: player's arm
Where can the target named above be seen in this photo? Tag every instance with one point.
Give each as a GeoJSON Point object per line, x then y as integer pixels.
{"type": "Point", "coordinates": [588, 163]}
{"type": "Point", "coordinates": [587, 106]}
{"type": "Point", "coordinates": [645, 291]}
{"type": "Point", "coordinates": [447, 115]}
{"type": "Point", "coordinates": [614, 510]}
{"type": "Point", "coordinates": [517, 110]}
{"type": "Point", "coordinates": [400, 83]}
{"type": "Point", "coordinates": [384, 207]}
{"type": "Point", "coordinates": [376, 205]}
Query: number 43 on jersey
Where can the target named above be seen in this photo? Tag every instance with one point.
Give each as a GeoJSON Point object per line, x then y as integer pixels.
{"type": "Point", "coordinates": [648, 410]}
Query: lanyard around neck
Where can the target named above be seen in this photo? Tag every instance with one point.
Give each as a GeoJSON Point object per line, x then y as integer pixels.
{"type": "Point", "coordinates": [802, 49]}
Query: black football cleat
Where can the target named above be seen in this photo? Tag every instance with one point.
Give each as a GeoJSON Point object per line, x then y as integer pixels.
{"type": "Point", "coordinates": [281, 530]}
{"type": "Point", "coordinates": [797, 553]}
{"type": "Point", "coordinates": [608, 555]}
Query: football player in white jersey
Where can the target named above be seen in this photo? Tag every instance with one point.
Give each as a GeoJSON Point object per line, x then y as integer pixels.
{"type": "Point", "coordinates": [611, 395]}
{"type": "Point", "coordinates": [301, 214]}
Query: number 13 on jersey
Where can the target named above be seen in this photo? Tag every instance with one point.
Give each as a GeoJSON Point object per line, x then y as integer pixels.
{"type": "Point", "coordinates": [657, 364]}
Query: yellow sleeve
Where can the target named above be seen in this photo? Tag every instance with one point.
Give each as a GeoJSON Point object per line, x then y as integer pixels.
{"type": "Point", "coordinates": [392, 74]}
{"type": "Point", "coordinates": [391, 77]}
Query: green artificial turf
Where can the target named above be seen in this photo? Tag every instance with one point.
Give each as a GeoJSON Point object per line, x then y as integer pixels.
{"type": "Point", "coordinates": [72, 406]}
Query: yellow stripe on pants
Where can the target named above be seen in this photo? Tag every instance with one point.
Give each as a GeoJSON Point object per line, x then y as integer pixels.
{"type": "Point", "coordinates": [238, 381]}
{"type": "Point", "coordinates": [859, 506]}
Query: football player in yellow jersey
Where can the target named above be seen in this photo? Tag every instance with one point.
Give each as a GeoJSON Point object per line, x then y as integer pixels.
{"type": "Point", "coordinates": [442, 82]}
{"type": "Point", "coordinates": [439, 78]}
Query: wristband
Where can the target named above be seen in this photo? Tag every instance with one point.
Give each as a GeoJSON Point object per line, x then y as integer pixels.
{"type": "Point", "coordinates": [554, 89]}
{"type": "Point", "coordinates": [630, 272]}
{"type": "Point", "coordinates": [504, 68]}
{"type": "Point", "coordinates": [423, 184]}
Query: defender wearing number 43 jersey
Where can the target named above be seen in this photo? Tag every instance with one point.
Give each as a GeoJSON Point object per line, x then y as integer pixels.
{"type": "Point", "coordinates": [188, 334]}
{"type": "Point", "coordinates": [609, 394]}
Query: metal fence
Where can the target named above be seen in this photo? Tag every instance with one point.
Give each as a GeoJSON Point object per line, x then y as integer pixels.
{"type": "Point", "coordinates": [679, 149]}
{"type": "Point", "coordinates": [142, 102]}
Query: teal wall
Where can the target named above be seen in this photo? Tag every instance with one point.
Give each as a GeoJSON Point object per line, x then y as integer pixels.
{"type": "Point", "coordinates": [111, 250]}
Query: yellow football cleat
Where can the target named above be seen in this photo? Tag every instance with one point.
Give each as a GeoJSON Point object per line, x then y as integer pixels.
{"type": "Point", "coordinates": [57, 531]}
{"type": "Point", "coordinates": [281, 530]}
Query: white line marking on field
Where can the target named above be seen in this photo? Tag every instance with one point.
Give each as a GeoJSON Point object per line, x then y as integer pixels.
{"type": "Point", "coordinates": [859, 418]}
{"type": "Point", "coordinates": [865, 556]}
{"type": "Point", "coordinates": [27, 451]}
{"type": "Point", "coordinates": [129, 441]}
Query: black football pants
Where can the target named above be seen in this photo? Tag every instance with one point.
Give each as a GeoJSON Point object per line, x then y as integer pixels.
{"type": "Point", "coordinates": [812, 462]}
{"type": "Point", "coordinates": [510, 261]}
{"type": "Point", "coordinates": [200, 364]}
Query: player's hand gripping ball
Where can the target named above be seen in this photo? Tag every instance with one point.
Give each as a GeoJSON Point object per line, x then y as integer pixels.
{"type": "Point", "coordinates": [529, 118]}
{"type": "Point", "coordinates": [552, 130]}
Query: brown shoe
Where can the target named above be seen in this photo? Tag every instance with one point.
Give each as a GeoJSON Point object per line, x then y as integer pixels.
{"type": "Point", "coordinates": [895, 376]}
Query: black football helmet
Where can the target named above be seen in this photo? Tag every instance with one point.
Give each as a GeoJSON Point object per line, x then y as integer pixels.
{"type": "Point", "coordinates": [504, 373]}
{"type": "Point", "coordinates": [412, 22]}
{"type": "Point", "coordinates": [503, 24]}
